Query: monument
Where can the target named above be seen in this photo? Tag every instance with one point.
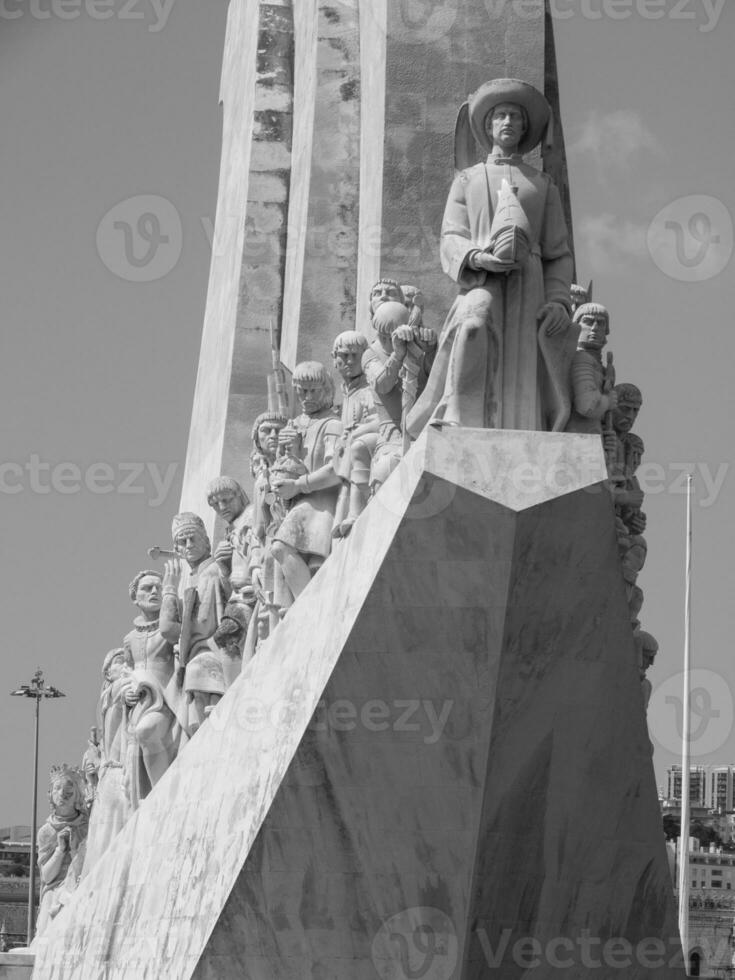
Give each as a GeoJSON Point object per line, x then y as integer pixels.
{"type": "Point", "coordinates": [421, 749]}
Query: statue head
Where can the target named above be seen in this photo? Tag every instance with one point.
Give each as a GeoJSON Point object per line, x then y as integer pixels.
{"type": "Point", "coordinates": [227, 498]}
{"type": "Point", "coordinates": [630, 400]}
{"type": "Point", "coordinates": [67, 791]}
{"type": "Point", "coordinates": [578, 295]}
{"type": "Point", "coordinates": [594, 326]}
{"type": "Point", "coordinates": [190, 538]}
{"type": "Point", "coordinates": [145, 591]}
{"type": "Point", "coordinates": [385, 291]}
{"type": "Point", "coordinates": [634, 449]}
{"type": "Point", "coordinates": [388, 317]}
{"type": "Point", "coordinates": [347, 352]}
{"type": "Point", "coordinates": [115, 662]}
{"type": "Point", "coordinates": [648, 648]}
{"type": "Point", "coordinates": [265, 436]}
{"type": "Point", "coordinates": [313, 386]}
{"type": "Point", "coordinates": [509, 113]}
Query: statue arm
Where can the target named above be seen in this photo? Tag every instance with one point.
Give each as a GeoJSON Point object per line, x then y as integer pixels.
{"type": "Point", "coordinates": [50, 856]}
{"type": "Point", "coordinates": [555, 251]}
{"type": "Point", "coordinates": [457, 246]}
{"type": "Point", "coordinates": [325, 477]}
{"type": "Point", "coordinates": [382, 376]}
{"type": "Point", "coordinates": [170, 617]}
{"type": "Point", "coordinates": [589, 400]}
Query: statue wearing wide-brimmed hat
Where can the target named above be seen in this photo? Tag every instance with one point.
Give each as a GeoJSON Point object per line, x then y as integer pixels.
{"type": "Point", "coordinates": [504, 354]}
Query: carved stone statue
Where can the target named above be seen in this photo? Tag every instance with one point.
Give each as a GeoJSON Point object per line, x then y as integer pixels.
{"type": "Point", "coordinates": [194, 601]}
{"type": "Point", "coordinates": [623, 450]}
{"type": "Point", "coordinates": [354, 451]}
{"type": "Point", "coordinates": [592, 393]}
{"type": "Point", "coordinates": [647, 647]}
{"type": "Point", "coordinates": [304, 538]}
{"type": "Point", "coordinates": [228, 499]}
{"type": "Point", "coordinates": [396, 365]}
{"type": "Point", "coordinates": [157, 713]}
{"type": "Point", "coordinates": [61, 842]}
{"type": "Point", "coordinates": [579, 295]}
{"type": "Point", "coordinates": [505, 349]}
{"type": "Point", "coordinates": [113, 805]}
{"type": "Point", "coordinates": [91, 762]}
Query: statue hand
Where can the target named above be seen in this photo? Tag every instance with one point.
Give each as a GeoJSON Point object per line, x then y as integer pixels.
{"type": "Point", "coordinates": [487, 262]}
{"type": "Point", "coordinates": [637, 522]}
{"type": "Point", "coordinates": [223, 556]}
{"type": "Point", "coordinates": [289, 440]}
{"type": "Point", "coordinates": [287, 489]}
{"type": "Point", "coordinates": [610, 443]}
{"type": "Point", "coordinates": [426, 337]}
{"type": "Point", "coordinates": [63, 838]}
{"type": "Point", "coordinates": [131, 697]}
{"type": "Point", "coordinates": [171, 575]}
{"type": "Point", "coordinates": [402, 337]}
{"type": "Point", "coordinates": [612, 399]}
{"type": "Point", "coordinates": [554, 318]}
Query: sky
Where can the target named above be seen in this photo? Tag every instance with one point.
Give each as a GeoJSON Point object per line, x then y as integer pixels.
{"type": "Point", "coordinates": [112, 134]}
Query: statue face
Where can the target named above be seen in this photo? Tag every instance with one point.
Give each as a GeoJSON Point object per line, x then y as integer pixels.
{"type": "Point", "coordinates": [228, 504]}
{"type": "Point", "coordinates": [348, 364]}
{"type": "Point", "coordinates": [192, 545]}
{"type": "Point", "coordinates": [63, 796]}
{"type": "Point", "coordinates": [593, 331]}
{"type": "Point", "coordinates": [268, 437]}
{"type": "Point", "coordinates": [506, 125]}
{"type": "Point", "coordinates": [624, 416]}
{"type": "Point", "coordinates": [312, 396]}
{"type": "Point", "coordinates": [116, 667]}
{"type": "Point", "coordinates": [383, 292]}
{"type": "Point", "coordinates": [148, 594]}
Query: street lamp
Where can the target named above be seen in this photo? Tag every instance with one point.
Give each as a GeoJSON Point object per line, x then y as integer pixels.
{"type": "Point", "coordinates": [37, 689]}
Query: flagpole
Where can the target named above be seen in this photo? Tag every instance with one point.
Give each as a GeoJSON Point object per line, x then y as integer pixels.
{"type": "Point", "coordinates": [684, 833]}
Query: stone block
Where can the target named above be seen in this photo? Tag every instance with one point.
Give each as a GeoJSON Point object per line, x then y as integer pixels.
{"type": "Point", "coordinates": [497, 795]}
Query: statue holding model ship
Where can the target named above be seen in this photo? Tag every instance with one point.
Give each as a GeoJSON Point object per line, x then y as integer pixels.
{"type": "Point", "coordinates": [504, 353]}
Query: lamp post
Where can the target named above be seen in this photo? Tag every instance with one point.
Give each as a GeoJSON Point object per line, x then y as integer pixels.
{"type": "Point", "coordinates": [37, 689]}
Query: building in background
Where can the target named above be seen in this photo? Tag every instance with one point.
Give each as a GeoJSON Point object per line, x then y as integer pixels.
{"type": "Point", "coordinates": [15, 860]}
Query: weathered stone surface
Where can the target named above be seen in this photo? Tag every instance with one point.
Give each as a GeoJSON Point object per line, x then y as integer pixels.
{"type": "Point", "coordinates": [16, 966]}
{"type": "Point", "coordinates": [445, 738]}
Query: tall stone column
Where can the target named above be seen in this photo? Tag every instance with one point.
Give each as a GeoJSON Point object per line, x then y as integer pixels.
{"type": "Point", "coordinates": [311, 214]}
{"type": "Point", "coordinates": [246, 279]}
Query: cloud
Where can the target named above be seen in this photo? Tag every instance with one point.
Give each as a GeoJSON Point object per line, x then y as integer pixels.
{"type": "Point", "coordinates": [606, 243]}
{"type": "Point", "coordinates": [615, 139]}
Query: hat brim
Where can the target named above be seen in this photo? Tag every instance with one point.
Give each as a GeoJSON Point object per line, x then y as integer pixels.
{"type": "Point", "coordinates": [517, 92]}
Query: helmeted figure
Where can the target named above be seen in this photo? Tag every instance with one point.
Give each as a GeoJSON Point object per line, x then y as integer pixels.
{"type": "Point", "coordinates": [593, 395]}
{"type": "Point", "coordinates": [304, 538]}
{"type": "Point", "coordinates": [194, 602]}
{"type": "Point", "coordinates": [355, 448]}
{"type": "Point", "coordinates": [505, 350]}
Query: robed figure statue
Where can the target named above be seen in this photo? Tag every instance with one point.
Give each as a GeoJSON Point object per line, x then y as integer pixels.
{"type": "Point", "coordinates": [505, 351]}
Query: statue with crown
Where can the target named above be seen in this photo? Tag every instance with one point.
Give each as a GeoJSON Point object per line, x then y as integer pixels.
{"type": "Point", "coordinates": [505, 351]}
